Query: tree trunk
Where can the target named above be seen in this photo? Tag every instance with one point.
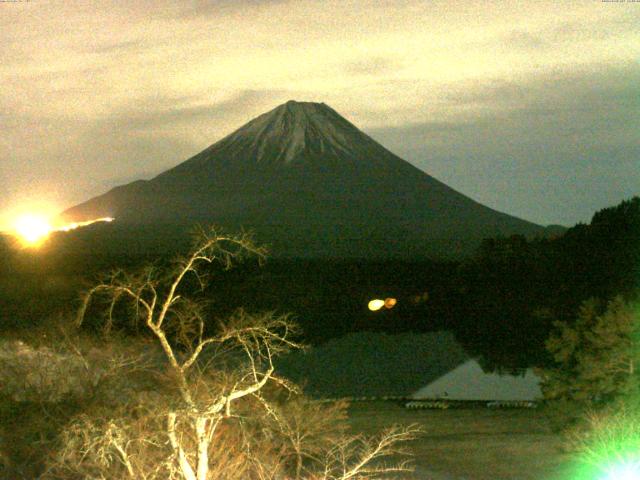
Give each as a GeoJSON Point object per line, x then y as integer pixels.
{"type": "Point", "coordinates": [183, 462]}
{"type": "Point", "coordinates": [203, 448]}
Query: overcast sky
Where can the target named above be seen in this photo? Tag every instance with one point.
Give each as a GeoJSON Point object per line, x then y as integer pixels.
{"type": "Point", "coordinates": [530, 107]}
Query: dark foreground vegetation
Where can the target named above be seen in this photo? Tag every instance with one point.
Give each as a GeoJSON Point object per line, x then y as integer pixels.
{"type": "Point", "coordinates": [508, 304]}
{"type": "Point", "coordinates": [143, 385]}
{"type": "Point", "coordinates": [501, 302]}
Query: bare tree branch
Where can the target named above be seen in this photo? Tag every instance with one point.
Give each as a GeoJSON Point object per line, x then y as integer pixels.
{"type": "Point", "coordinates": [217, 378]}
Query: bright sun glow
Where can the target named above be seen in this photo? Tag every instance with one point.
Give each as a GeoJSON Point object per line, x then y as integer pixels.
{"type": "Point", "coordinates": [32, 229]}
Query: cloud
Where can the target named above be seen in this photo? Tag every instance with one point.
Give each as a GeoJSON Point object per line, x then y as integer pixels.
{"type": "Point", "coordinates": [136, 87]}
{"type": "Point", "coordinates": [525, 40]}
{"type": "Point", "coordinates": [116, 47]}
{"type": "Point", "coordinates": [558, 36]}
{"type": "Point", "coordinates": [159, 111]}
{"type": "Point", "coordinates": [372, 66]}
{"type": "Point", "coordinates": [569, 142]}
{"type": "Point", "coordinates": [207, 8]}
{"type": "Point", "coordinates": [142, 141]}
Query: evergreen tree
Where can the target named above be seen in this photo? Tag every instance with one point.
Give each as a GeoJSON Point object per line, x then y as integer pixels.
{"type": "Point", "coordinates": [597, 357]}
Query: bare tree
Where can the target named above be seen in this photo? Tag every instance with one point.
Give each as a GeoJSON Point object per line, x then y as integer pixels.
{"type": "Point", "coordinates": [202, 423]}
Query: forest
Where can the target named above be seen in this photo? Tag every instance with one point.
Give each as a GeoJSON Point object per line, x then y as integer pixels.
{"type": "Point", "coordinates": [501, 302]}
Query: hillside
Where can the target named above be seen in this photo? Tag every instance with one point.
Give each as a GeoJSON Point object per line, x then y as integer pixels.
{"type": "Point", "coordinates": [310, 184]}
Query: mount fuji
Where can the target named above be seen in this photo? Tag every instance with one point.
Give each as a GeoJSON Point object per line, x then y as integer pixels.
{"type": "Point", "coordinates": [309, 184]}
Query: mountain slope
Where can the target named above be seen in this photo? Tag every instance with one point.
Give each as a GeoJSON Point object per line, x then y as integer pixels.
{"type": "Point", "coordinates": [311, 184]}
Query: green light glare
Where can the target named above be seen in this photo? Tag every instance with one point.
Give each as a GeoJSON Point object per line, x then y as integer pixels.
{"type": "Point", "coordinates": [610, 448]}
{"type": "Point", "coordinates": [623, 471]}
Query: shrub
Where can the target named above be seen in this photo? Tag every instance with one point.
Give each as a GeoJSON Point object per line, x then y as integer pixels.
{"type": "Point", "coordinates": [596, 359]}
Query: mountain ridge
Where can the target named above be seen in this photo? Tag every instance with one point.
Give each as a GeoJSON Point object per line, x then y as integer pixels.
{"type": "Point", "coordinates": [302, 173]}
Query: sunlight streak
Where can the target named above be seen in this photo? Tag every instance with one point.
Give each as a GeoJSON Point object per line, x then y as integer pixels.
{"type": "Point", "coordinates": [33, 229]}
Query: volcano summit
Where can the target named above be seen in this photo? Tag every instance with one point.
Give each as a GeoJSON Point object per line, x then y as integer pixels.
{"type": "Point", "coordinates": [310, 184]}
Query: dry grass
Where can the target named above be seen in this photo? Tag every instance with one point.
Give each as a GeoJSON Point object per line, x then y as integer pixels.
{"type": "Point", "coordinates": [472, 444]}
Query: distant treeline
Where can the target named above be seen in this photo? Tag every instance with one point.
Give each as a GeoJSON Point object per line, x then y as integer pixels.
{"type": "Point", "coordinates": [500, 302]}
{"type": "Point", "coordinates": [514, 289]}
